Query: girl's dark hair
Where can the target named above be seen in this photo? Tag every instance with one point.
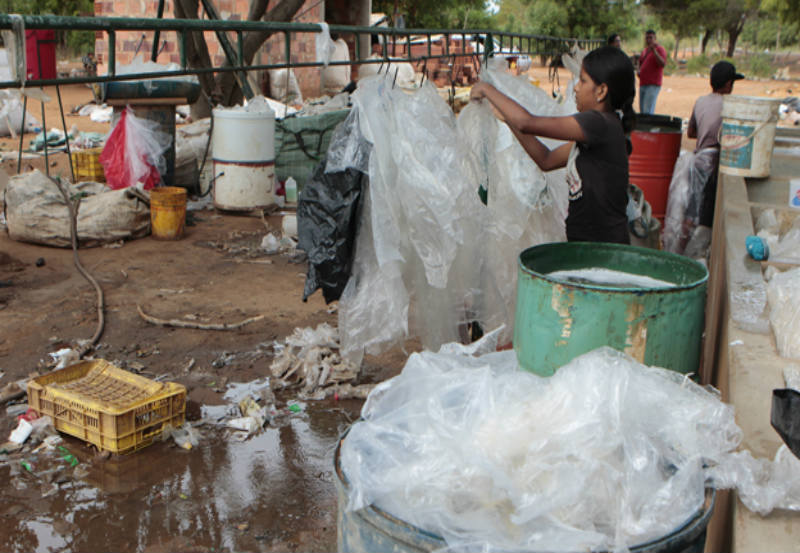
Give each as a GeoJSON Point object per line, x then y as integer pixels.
{"type": "Point", "coordinates": [611, 66]}
{"type": "Point", "coordinates": [611, 39]}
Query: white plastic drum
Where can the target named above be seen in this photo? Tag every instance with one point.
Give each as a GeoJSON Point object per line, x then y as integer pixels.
{"type": "Point", "coordinates": [243, 152]}
{"type": "Point", "coordinates": [747, 135]}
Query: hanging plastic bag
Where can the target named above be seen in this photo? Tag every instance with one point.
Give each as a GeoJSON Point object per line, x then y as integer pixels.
{"type": "Point", "coordinates": [326, 223]}
{"type": "Point", "coordinates": [686, 191]}
{"type": "Point", "coordinates": [133, 153]}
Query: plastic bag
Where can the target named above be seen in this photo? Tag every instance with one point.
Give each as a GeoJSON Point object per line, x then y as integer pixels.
{"type": "Point", "coordinates": [326, 222]}
{"type": "Point", "coordinates": [325, 47]}
{"type": "Point", "coordinates": [133, 153]}
{"type": "Point", "coordinates": [606, 454]}
{"type": "Point", "coordinates": [760, 484]}
{"type": "Point", "coordinates": [686, 191]}
{"type": "Point", "coordinates": [785, 415]}
{"type": "Point", "coordinates": [783, 295]}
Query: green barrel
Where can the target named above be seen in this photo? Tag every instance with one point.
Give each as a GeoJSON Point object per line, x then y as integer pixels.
{"type": "Point", "coordinates": [558, 319]}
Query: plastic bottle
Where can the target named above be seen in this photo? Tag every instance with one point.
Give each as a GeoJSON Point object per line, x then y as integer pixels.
{"type": "Point", "coordinates": [291, 191]}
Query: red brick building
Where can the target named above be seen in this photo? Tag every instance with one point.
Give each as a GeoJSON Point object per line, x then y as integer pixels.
{"type": "Point", "coordinates": [343, 12]}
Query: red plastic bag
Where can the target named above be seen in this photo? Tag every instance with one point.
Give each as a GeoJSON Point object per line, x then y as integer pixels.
{"type": "Point", "coordinates": [134, 153]}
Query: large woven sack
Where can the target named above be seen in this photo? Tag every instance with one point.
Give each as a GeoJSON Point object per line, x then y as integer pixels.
{"type": "Point", "coordinates": [36, 212]}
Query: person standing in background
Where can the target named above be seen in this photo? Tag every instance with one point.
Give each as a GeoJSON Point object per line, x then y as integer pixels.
{"type": "Point", "coordinates": [651, 71]}
{"type": "Point", "coordinates": [704, 125]}
{"type": "Point", "coordinates": [614, 40]}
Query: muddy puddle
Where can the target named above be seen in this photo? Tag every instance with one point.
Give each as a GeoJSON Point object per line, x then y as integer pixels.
{"type": "Point", "coordinates": [271, 492]}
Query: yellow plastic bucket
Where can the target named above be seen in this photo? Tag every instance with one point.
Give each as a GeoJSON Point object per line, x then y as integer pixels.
{"type": "Point", "coordinates": [167, 212]}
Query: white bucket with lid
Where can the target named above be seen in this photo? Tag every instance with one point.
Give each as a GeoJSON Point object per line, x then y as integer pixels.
{"type": "Point", "coordinates": [747, 135]}
{"type": "Point", "coordinates": [243, 154]}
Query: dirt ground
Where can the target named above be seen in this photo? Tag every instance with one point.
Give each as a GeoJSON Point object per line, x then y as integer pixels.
{"type": "Point", "coordinates": [274, 492]}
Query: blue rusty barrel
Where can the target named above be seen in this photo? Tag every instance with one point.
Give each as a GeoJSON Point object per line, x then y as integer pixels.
{"type": "Point", "coordinates": [559, 319]}
{"type": "Point", "coordinates": [372, 530]}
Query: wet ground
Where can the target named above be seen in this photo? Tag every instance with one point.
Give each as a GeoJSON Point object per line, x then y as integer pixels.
{"type": "Point", "coordinates": [271, 492]}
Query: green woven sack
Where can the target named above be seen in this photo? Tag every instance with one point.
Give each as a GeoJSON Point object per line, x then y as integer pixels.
{"type": "Point", "coordinates": [301, 142]}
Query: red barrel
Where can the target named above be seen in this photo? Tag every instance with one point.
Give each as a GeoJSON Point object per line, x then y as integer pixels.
{"type": "Point", "coordinates": [40, 54]}
{"type": "Point", "coordinates": [656, 143]}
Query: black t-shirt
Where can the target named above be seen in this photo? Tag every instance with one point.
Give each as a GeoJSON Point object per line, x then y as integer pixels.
{"type": "Point", "coordinates": [598, 181]}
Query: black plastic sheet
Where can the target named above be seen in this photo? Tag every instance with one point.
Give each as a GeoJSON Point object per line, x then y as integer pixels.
{"type": "Point", "coordinates": [327, 220]}
{"type": "Point", "coordinates": [785, 417]}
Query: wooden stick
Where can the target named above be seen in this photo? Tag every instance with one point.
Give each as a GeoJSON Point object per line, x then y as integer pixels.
{"type": "Point", "coordinates": [200, 326]}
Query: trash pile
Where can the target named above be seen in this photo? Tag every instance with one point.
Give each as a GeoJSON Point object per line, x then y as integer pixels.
{"type": "Point", "coordinates": [604, 455]}
{"type": "Point", "coordinates": [429, 258]}
{"type": "Point", "coordinates": [310, 358]}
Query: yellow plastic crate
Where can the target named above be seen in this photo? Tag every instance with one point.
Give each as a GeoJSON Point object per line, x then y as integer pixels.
{"type": "Point", "coordinates": [86, 165]}
{"type": "Point", "coordinates": [106, 406]}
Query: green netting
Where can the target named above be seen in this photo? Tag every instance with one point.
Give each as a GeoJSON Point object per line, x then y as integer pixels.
{"type": "Point", "coordinates": [301, 142]}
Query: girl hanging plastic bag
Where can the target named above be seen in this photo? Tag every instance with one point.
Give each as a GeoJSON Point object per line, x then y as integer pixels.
{"type": "Point", "coordinates": [134, 153]}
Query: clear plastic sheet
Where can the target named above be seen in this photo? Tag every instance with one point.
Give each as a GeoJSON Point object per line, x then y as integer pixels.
{"type": "Point", "coordinates": [761, 485]}
{"type": "Point", "coordinates": [689, 178]}
{"type": "Point", "coordinates": [783, 295]}
{"type": "Point", "coordinates": [604, 455]}
{"type": "Point", "coordinates": [420, 222]}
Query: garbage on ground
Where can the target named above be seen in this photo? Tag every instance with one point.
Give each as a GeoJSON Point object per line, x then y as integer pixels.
{"type": "Point", "coordinates": [250, 406]}
{"type": "Point", "coordinates": [310, 358]}
{"type": "Point", "coordinates": [783, 295]}
{"type": "Point", "coordinates": [685, 200]}
{"type": "Point", "coordinates": [604, 455]}
{"type": "Point", "coordinates": [185, 436]}
{"type": "Point", "coordinates": [272, 245]}
{"type": "Point", "coordinates": [21, 432]}
{"type": "Point", "coordinates": [55, 138]}
{"type": "Point", "coordinates": [64, 357]}
{"type": "Point", "coordinates": [430, 258]}
{"type": "Point", "coordinates": [86, 140]}
{"type": "Point", "coordinates": [36, 212]}
{"type": "Point", "coordinates": [134, 153]}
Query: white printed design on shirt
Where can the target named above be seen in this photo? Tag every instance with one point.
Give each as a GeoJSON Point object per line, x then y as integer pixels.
{"type": "Point", "coordinates": [573, 178]}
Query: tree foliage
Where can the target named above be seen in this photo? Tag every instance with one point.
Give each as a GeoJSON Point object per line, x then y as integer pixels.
{"type": "Point", "coordinates": [78, 41]}
{"type": "Point", "coordinates": [572, 18]}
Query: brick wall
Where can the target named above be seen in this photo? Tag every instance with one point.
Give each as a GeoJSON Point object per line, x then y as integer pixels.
{"type": "Point", "coordinates": [273, 51]}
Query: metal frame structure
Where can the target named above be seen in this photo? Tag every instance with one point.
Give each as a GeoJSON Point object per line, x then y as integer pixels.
{"type": "Point", "coordinates": [525, 44]}
{"type": "Point", "coordinates": [532, 45]}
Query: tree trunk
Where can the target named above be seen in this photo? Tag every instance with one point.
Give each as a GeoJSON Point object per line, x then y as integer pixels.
{"type": "Point", "coordinates": [706, 38]}
{"type": "Point", "coordinates": [253, 40]}
{"type": "Point", "coordinates": [197, 56]}
{"type": "Point", "coordinates": [778, 38]}
{"type": "Point", "coordinates": [734, 30]}
{"type": "Point", "coordinates": [677, 42]}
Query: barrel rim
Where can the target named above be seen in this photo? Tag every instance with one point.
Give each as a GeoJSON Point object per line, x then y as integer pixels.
{"type": "Point", "coordinates": [616, 289]}
{"type": "Point", "coordinates": [241, 114]}
{"type": "Point", "coordinates": [695, 523]}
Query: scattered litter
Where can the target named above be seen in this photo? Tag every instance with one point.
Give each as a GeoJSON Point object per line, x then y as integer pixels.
{"type": "Point", "coordinates": [185, 437]}
{"type": "Point", "coordinates": [737, 343]}
{"type": "Point", "coordinates": [183, 496]}
{"type": "Point", "coordinates": [21, 433]}
{"type": "Point", "coordinates": [101, 114]}
{"type": "Point", "coordinates": [16, 410]}
{"type": "Point", "coordinates": [273, 245]}
{"type": "Point", "coordinates": [67, 456]}
{"type": "Point", "coordinates": [64, 357]}
{"type": "Point", "coordinates": [310, 358]}
{"type": "Point", "coordinates": [296, 406]}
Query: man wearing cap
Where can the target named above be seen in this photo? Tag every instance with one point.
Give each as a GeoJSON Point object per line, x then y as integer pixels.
{"type": "Point", "coordinates": [704, 126]}
{"type": "Point", "coordinates": [651, 72]}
